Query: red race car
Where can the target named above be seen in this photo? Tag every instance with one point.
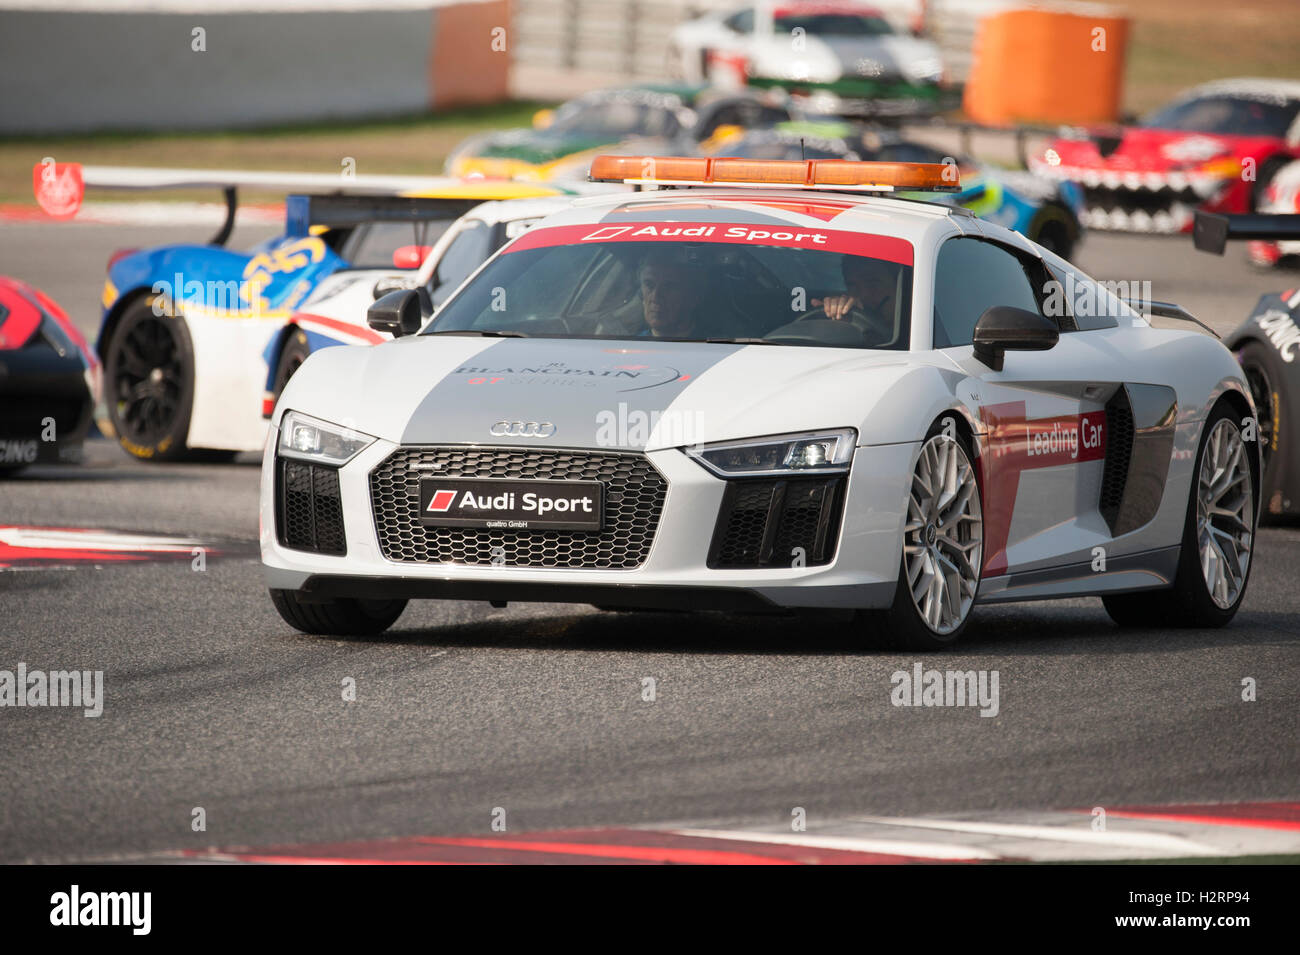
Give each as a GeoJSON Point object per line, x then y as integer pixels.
{"type": "Point", "coordinates": [1214, 148]}
{"type": "Point", "coordinates": [49, 380]}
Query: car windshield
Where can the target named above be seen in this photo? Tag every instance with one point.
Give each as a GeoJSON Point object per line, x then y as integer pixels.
{"type": "Point", "coordinates": [1227, 116]}
{"type": "Point", "coordinates": [833, 24]}
{"type": "Point", "coordinates": [768, 284]}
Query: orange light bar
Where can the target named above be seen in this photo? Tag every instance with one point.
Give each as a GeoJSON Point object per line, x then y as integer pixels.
{"type": "Point", "coordinates": [776, 173]}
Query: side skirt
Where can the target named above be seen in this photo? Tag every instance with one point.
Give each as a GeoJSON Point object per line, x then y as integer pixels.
{"type": "Point", "coordinates": [1149, 570]}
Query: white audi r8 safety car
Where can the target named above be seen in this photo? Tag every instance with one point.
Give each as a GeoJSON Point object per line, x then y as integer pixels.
{"type": "Point", "coordinates": [769, 387]}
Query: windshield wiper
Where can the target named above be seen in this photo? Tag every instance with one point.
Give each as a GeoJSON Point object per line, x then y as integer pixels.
{"type": "Point", "coordinates": [479, 333]}
{"type": "Point", "coordinates": [740, 341]}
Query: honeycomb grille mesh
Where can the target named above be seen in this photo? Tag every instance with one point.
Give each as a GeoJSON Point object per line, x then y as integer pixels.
{"type": "Point", "coordinates": [768, 523]}
{"type": "Point", "coordinates": [634, 497]}
{"type": "Point", "coordinates": [745, 526]}
{"type": "Point", "coordinates": [310, 510]}
{"type": "Point", "coordinates": [1119, 450]}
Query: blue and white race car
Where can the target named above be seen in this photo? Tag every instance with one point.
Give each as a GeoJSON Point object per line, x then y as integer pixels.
{"type": "Point", "coordinates": [193, 336]}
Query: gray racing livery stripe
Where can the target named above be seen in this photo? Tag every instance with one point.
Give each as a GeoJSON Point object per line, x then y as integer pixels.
{"type": "Point", "coordinates": [594, 393]}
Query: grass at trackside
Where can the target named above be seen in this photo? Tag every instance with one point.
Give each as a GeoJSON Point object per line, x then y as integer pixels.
{"type": "Point", "coordinates": [412, 145]}
{"type": "Point", "coordinates": [1174, 44]}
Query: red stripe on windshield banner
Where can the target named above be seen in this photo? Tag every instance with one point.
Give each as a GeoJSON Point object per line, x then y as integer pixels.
{"type": "Point", "coordinates": [885, 247]}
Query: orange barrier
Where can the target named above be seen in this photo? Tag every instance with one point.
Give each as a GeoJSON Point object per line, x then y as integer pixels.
{"type": "Point", "coordinates": [1047, 66]}
{"type": "Point", "coordinates": [469, 59]}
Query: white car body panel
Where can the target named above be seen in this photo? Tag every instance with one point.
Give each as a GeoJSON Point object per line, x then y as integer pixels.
{"type": "Point", "coordinates": [891, 398]}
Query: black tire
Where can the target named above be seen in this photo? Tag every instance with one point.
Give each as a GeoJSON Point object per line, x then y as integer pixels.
{"type": "Point", "coordinates": [149, 382]}
{"type": "Point", "coordinates": [1267, 377]}
{"type": "Point", "coordinates": [1188, 603]}
{"type": "Point", "coordinates": [292, 355]}
{"type": "Point", "coordinates": [902, 627]}
{"type": "Point", "coordinates": [345, 617]}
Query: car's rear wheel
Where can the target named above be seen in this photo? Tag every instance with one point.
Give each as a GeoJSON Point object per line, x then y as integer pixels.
{"type": "Point", "coordinates": [943, 549]}
{"type": "Point", "coordinates": [343, 617]}
{"type": "Point", "coordinates": [1266, 376]}
{"type": "Point", "coordinates": [149, 382]}
{"type": "Point", "coordinates": [1218, 538]}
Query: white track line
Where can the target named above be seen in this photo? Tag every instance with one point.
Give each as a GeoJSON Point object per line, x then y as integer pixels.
{"type": "Point", "coordinates": [1122, 840]}
{"type": "Point", "coordinates": [919, 850]}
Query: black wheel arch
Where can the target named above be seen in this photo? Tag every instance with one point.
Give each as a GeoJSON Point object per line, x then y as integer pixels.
{"type": "Point", "coordinates": [108, 327]}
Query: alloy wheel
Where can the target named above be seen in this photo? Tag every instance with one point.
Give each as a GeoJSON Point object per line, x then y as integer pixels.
{"type": "Point", "coordinates": [943, 539]}
{"type": "Point", "coordinates": [1224, 510]}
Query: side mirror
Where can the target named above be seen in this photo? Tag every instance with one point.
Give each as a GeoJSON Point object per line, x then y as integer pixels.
{"type": "Point", "coordinates": [389, 284]}
{"type": "Point", "coordinates": [397, 313]}
{"type": "Point", "coordinates": [1003, 328]}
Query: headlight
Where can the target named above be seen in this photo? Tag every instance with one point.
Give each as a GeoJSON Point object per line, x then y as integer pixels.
{"type": "Point", "coordinates": [310, 439]}
{"type": "Point", "coordinates": [817, 452]}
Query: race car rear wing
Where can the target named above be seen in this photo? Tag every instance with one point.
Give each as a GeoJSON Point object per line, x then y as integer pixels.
{"type": "Point", "coordinates": [1211, 230]}
{"type": "Point", "coordinates": [336, 200]}
{"type": "Point", "coordinates": [344, 212]}
{"type": "Point", "coordinates": [1168, 310]}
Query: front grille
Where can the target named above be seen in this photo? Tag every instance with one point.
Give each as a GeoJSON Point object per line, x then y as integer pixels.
{"type": "Point", "coordinates": [778, 523]}
{"type": "Point", "coordinates": [309, 515]}
{"type": "Point", "coordinates": [634, 499]}
{"type": "Point", "coordinates": [1119, 451]}
{"type": "Point", "coordinates": [1139, 210]}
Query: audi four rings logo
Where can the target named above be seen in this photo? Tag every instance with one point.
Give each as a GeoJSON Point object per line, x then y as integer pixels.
{"type": "Point", "coordinates": [522, 429]}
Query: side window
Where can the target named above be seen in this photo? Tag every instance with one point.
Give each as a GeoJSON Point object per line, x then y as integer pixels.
{"type": "Point", "coordinates": [467, 251]}
{"type": "Point", "coordinates": [1090, 305]}
{"type": "Point", "coordinates": [971, 276]}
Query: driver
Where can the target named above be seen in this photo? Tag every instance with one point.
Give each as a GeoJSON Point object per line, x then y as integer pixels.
{"type": "Point", "coordinates": [672, 294]}
{"type": "Point", "coordinates": [871, 287]}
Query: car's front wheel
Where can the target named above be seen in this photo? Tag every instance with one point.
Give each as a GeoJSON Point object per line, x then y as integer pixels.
{"type": "Point", "coordinates": [943, 549]}
{"type": "Point", "coordinates": [343, 617]}
{"type": "Point", "coordinates": [1218, 537]}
